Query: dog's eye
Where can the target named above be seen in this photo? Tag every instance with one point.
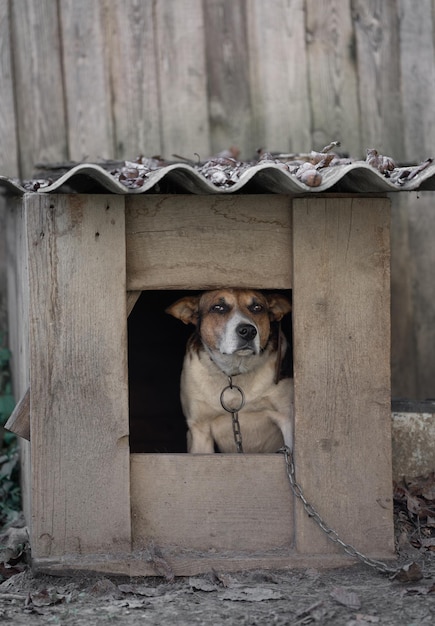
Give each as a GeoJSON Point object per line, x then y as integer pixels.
{"type": "Point", "coordinates": [220, 308]}
{"type": "Point", "coordinates": [256, 307]}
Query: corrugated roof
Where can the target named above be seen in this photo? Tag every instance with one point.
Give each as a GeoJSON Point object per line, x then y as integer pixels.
{"type": "Point", "coordinates": [262, 177]}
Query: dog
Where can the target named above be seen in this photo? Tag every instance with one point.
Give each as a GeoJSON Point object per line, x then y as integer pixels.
{"type": "Point", "coordinates": [235, 357]}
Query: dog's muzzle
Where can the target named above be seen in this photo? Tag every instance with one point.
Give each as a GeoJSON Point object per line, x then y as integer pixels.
{"type": "Point", "coordinates": [246, 334]}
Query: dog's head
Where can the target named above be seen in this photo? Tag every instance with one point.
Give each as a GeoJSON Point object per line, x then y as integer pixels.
{"type": "Point", "coordinates": [232, 322]}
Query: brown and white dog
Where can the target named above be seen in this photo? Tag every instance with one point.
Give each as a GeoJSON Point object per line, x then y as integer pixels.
{"type": "Point", "coordinates": [235, 337]}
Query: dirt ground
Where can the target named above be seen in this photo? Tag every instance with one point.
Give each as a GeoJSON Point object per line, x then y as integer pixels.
{"type": "Point", "coordinates": [352, 596]}
{"type": "Point", "coordinates": [355, 595]}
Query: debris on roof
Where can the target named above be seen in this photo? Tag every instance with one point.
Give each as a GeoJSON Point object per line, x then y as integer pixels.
{"type": "Point", "coordinates": [294, 174]}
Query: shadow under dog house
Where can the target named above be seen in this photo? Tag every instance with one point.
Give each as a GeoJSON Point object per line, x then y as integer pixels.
{"type": "Point", "coordinates": [78, 263]}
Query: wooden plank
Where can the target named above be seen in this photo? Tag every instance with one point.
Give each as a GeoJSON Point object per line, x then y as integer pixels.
{"type": "Point", "coordinates": [188, 563]}
{"type": "Point", "coordinates": [8, 127]}
{"type": "Point", "coordinates": [341, 326]}
{"type": "Point", "coordinates": [418, 77]}
{"type": "Point", "coordinates": [333, 82]}
{"type": "Point", "coordinates": [404, 358]}
{"type": "Point", "coordinates": [201, 242]}
{"type": "Point", "coordinates": [40, 105]}
{"type": "Point", "coordinates": [131, 49]}
{"type": "Point", "coordinates": [378, 58]}
{"type": "Point", "coordinates": [207, 502]}
{"type": "Point", "coordinates": [421, 263]}
{"type": "Point", "coordinates": [79, 422]}
{"type": "Point", "coordinates": [227, 57]}
{"type": "Point", "coordinates": [279, 80]}
{"type": "Point", "coordinates": [18, 325]}
{"type": "Point", "coordinates": [87, 85]}
{"type": "Point", "coordinates": [19, 420]}
{"type": "Point", "coordinates": [182, 78]}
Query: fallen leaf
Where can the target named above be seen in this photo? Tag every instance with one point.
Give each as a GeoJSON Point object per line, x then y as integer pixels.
{"type": "Point", "coordinates": [346, 598]}
{"type": "Point", "coordinates": [411, 572]}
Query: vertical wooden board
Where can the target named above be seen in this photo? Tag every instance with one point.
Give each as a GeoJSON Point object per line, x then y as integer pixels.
{"type": "Point", "coordinates": [86, 77]}
{"type": "Point", "coordinates": [182, 78]}
{"type": "Point", "coordinates": [131, 49]}
{"type": "Point", "coordinates": [227, 57]}
{"type": "Point", "coordinates": [404, 357]}
{"type": "Point", "coordinates": [421, 232]}
{"type": "Point", "coordinates": [79, 401]}
{"type": "Point", "coordinates": [378, 56]}
{"type": "Point", "coordinates": [209, 502]}
{"type": "Point", "coordinates": [341, 324]}
{"type": "Point", "coordinates": [18, 325]}
{"type": "Point", "coordinates": [8, 127]}
{"type": "Point", "coordinates": [38, 83]}
{"type": "Point", "coordinates": [417, 54]}
{"type": "Point", "coordinates": [278, 67]}
{"type": "Point", "coordinates": [333, 82]}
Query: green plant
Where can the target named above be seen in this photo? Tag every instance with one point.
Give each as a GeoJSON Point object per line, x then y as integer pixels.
{"type": "Point", "coordinates": [10, 493]}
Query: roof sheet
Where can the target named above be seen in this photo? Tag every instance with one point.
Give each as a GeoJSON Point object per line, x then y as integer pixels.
{"type": "Point", "coordinates": [262, 177]}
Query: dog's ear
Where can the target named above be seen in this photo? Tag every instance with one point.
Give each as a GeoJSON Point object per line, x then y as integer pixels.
{"type": "Point", "coordinates": [185, 309]}
{"type": "Point", "coordinates": [278, 306]}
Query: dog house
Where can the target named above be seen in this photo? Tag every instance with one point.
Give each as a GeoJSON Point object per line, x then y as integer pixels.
{"type": "Point", "coordinates": [108, 486]}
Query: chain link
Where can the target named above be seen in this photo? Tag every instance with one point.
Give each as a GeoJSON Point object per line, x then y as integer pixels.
{"type": "Point", "coordinates": [297, 489]}
{"type": "Point", "coordinates": [234, 413]}
{"type": "Point", "coordinates": [330, 533]}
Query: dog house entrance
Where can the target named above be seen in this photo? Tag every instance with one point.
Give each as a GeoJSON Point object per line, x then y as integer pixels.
{"type": "Point", "coordinates": [156, 346]}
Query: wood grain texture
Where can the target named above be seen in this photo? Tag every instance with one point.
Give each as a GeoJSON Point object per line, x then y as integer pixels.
{"type": "Point", "coordinates": [227, 58]}
{"type": "Point", "coordinates": [332, 74]}
{"type": "Point", "coordinates": [8, 125]}
{"type": "Point", "coordinates": [37, 66]}
{"type": "Point", "coordinates": [19, 420]}
{"type": "Point", "coordinates": [18, 326]}
{"type": "Point", "coordinates": [86, 77]}
{"type": "Point", "coordinates": [79, 403]}
{"type": "Point", "coordinates": [202, 242]}
{"type": "Point", "coordinates": [131, 48]}
{"type": "Point", "coordinates": [377, 42]}
{"type": "Point", "coordinates": [182, 78]}
{"type": "Point", "coordinates": [209, 502]}
{"type": "Point", "coordinates": [279, 76]}
{"type": "Point", "coordinates": [341, 326]}
{"type": "Point", "coordinates": [188, 563]}
{"type": "Point", "coordinates": [417, 66]}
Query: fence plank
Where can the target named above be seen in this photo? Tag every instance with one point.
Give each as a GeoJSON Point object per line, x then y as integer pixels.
{"type": "Point", "coordinates": [279, 84]}
{"type": "Point", "coordinates": [38, 82]}
{"type": "Point", "coordinates": [182, 77]}
{"type": "Point", "coordinates": [8, 130]}
{"type": "Point", "coordinates": [131, 48]}
{"type": "Point", "coordinates": [227, 57]}
{"type": "Point", "coordinates": [87, 89]}
{"type": "Point", "coordinates": [332, 75]}
{"type": "Point", "coordinates": [377, 33]}
{"type": "Point", "coordinates": [417, 56]}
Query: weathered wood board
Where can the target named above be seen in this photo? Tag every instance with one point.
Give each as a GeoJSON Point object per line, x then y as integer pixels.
{"type": "Point", "coordinates": [341, 328]}
{"type": "Point", "coordinates": [211, 502]}
{"type": "Point", "coordinates": [202, 242]}
{"type": "Point", "coordinates": [78, 375]}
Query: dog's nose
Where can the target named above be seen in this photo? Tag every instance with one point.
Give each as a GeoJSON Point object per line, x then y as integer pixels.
{"type": "Point", "coordinates": [246, 331]}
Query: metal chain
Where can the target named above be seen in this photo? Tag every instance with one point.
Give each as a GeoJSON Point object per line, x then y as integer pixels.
{"type": "Point", "coordinates": [330, 533]}
{"type": "Point", "coordinates": [234, 413]}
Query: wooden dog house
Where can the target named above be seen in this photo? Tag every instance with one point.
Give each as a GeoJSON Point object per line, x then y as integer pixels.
{"type": "Point", "coordinates": [78, 263]}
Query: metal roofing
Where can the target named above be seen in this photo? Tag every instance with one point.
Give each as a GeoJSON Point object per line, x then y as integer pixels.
{"type": "Point", "coordinates": [229, 177]}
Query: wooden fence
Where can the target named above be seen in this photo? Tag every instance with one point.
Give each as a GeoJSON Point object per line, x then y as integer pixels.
{"type": "Point", "coordinates": [103, 79]}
